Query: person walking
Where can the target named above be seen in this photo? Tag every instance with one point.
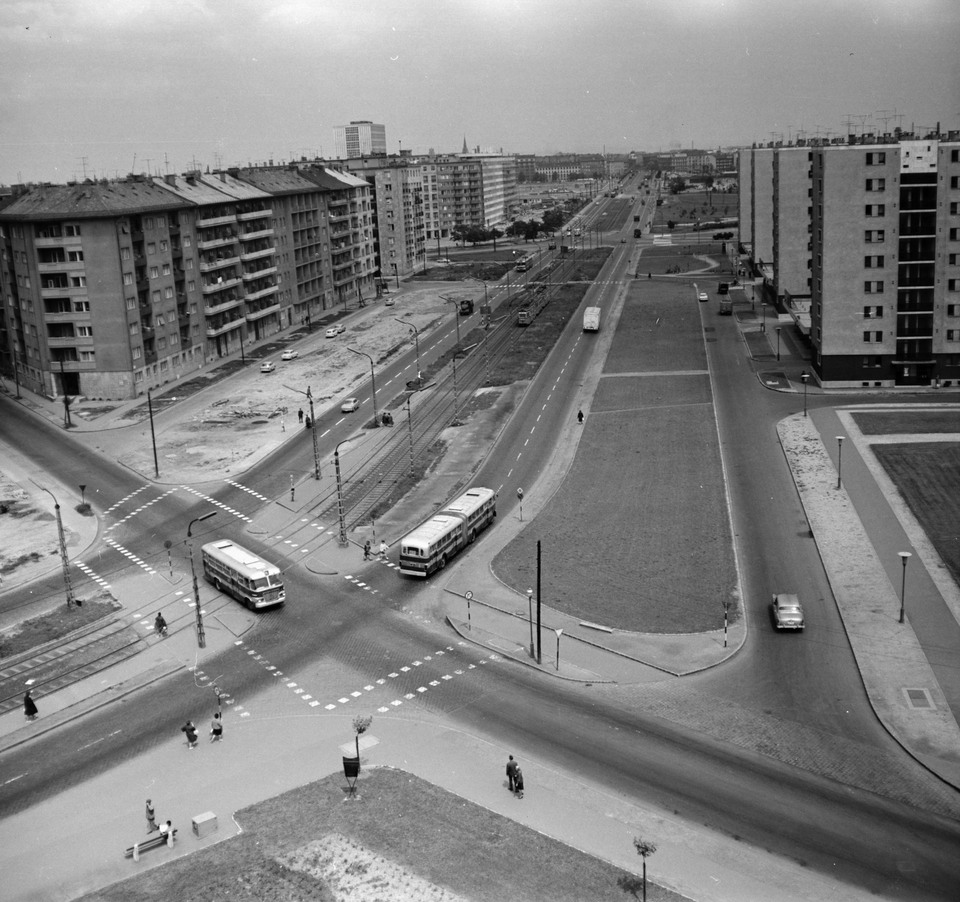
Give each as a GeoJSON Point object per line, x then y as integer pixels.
{"type": "Point", "coordinates": [366, 550]}
{"type": "Point", "coordinates": [383, 550]}
{"type": "Point", "coordinates": [580, 417]}
{"type": "Point", "coordinates": [216, 728]}
{"type": "Point", "coordinates": [29, 706]}
{"type": "Point", "coordinates": [300, 414]}
{"type": "Point", "coordinates": [518, 783]}
{"type": "Point", "coordinates": [512, 770]}
{"type": "Point", "coordinates": [151, 818]}
{"type": "Point", "coordinates": [190, 731]}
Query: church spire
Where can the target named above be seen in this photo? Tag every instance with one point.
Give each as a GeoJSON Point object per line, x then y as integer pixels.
{"type": "Point", "coordinates": [464, 145]}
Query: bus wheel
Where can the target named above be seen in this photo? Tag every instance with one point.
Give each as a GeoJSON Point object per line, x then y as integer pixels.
{"type": "Point", "coordinates": [217, 585]}
{"type": "Point", "coordinates": [443, 561]}
{"type": "Point", "coordinates": [470, 537]}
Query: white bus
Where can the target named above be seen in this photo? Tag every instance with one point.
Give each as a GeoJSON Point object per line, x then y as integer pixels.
{"type": "Point", "coordinates": [251, 580]}
{"type": "Point", "coordinates": [431, 545]}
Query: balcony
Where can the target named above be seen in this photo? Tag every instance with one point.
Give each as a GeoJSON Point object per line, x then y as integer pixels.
{"type": "Point", "coordinates": [259, 274]}
{"type": "Point", "coordinates": [229, 304]}
{"type": "Point", "coordinates": [260, 314]}
{"type": "Point", "coordinates": [214, 331]}
{"type": "Point", "coordinates": [254, 214]}
{"type": "Point", "coordinates": [256, 255]}
{"type": "Point", "coordinates": [222, 285]}
{"type": "Point", "coordinates": [220, 263]}
{"type": "Point", "coordinates": [209, 244]}
{"type": "Point", "coordinates": [213, 221]}
{"type": "Point", "coordinates": [262, 293]}
{"type": "Point", "coordinates": [253, 235]}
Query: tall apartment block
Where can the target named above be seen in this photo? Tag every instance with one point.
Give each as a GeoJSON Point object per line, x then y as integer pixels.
{"type": "Point", "coordinates": [886, 262]}
{"type": "Point", "coordinates": [359, 139]}
{"type": "Point", "coordinates": [113, 287]}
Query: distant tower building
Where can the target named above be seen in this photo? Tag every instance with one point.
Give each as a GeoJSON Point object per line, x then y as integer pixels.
{"type": "Point", "coordinates": [360, 139]}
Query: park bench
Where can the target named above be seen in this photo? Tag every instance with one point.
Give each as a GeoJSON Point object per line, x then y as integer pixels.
{"type": "Point", "coordinates": [157, 839]}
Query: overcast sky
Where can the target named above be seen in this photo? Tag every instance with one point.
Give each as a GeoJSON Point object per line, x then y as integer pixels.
{"type": "Point", "coordinates": [107, 87]}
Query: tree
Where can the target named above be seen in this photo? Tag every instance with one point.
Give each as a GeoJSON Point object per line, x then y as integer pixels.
{"type": "Point", "coordinates": [644, 849]}
{"type": "Point", "coordinates": [362, 722]}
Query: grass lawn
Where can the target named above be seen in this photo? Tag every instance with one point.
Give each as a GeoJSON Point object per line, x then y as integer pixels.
{"type": "Point", "coordinates": [927, 475]}
{"type": "Point", "coordinates": [914, 422]}
{"type": "Point", "coordinates": [54, 624]}
{"type": "Point", "coordinates": [403, 840]}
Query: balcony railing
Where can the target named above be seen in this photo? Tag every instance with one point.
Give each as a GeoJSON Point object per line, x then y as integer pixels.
{"type": "Point", "coordinates": [260, 314]}
{"type": "Point", "coordinates": [262, 293]}
{"type": "Point", "coordinates": [212, 265]}
{"type": "Point", "coordinates": [210, 222]}
{"type": "Point", "coordinates": [214, 287]}
{"type": "Point", "coordinates": [207, 244]}
{"type": "Point", "coordinates": [252, 236]}
{"type": "Point", "coordinates": [214, 331]}
{"type": "Point", "coordinates": [256, 254]}
{"type": "Point", "coordinates": [254, 214]}
{"type": "Point", "coordinates": [259, 274]}
{"type": "Point", "coordinates": [214, 309]}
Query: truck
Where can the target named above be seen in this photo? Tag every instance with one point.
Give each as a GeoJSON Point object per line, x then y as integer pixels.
{"type": "Point", "coordinates": [591, 319]}
{"type": "Point", "coordinates": [726, 305]}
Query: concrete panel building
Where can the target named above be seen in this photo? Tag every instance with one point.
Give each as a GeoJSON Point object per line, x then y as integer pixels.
{"type": "Point", "coordinates": [359, 139]}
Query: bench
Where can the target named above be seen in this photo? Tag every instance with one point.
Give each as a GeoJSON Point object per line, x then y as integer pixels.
{"type": "Point", "coordinates": [155, 840]}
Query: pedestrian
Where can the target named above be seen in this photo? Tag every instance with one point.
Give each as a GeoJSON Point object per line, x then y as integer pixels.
{"type": "Point", "coordinates": [216, 728]}
{"type": "Point", "coordinates": [366, 550]}
{"type": "Point", "coordinates": [151, 818]}
{"type": "Point", "coordinates": [283, 425]}
{"type": "Point", "coordinates": [512, 769]}
{"type": "Point", "coordinates": [167, 831]}
{"type": "Point", "coordinates": [580, 417]}
{"type": "Point", "coordinates": [29, 706]}
{"type": "Point", "coordinates": [383, 550]}
{"type": "Point", "coordinates": [300, 414]}
{"type": "Point", "coordinates": [518, 783]}
{"type": "Point", "coordinates": [190, 731]}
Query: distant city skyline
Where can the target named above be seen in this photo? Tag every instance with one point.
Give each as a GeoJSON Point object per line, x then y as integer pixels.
{"type": "Point", "coordinates": [101, 88]}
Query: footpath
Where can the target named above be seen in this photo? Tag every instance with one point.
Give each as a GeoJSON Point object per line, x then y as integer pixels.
{"type": "Point", "coordinates": [219, 777]}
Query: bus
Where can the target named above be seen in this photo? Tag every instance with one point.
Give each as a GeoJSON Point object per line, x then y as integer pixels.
{"type": "Point", "coordinates": [524, 263]}
{"type": "Point", "coordinates": [253, 581]}
{"type": "Point", "coordinates": [451, 529]}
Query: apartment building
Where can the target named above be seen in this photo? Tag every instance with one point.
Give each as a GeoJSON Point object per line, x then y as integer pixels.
{"type": "Point", "coordinates": [361, 138]}
{"type": "Point", "coordinates": [111, 288]}
{"type": "Point", "coordinates": [792, 215]}
{"type": "Point", "coordinates": [886, 261]}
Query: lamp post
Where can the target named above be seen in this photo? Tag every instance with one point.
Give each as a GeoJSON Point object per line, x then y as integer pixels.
{"type": "Point", "coordinates": [201, 636]}
{"type": "Point", "coordinates": [68, 586]}
{"type": "Point", "coordinates": [410, 420]}
{"type": "Point", "coordinates": [839, 460]}
{"type": "Point", "coordinates": [904, 557]}
{"type": "Point", "coordinates": [396, 274]}
{"type": "Point", "coordinates": [456, 351]}
{"type": "Point", "coordinates": [804, 376]}
{"type": "Point", "coordinates": [153, 436]}
{"type": "Point", "coordinates": [416, 338]}
{"type": "Point", "coordinates": [530, 608]}
{"type": "Point", "coordinates": [373, 383]}
{"type": "Point", "coordinates": [313, 429]}
{"type": "Point", "coordinates": [16, 372]}
{"type": "Point", "coordinates": [778, 342]}
{"type": "Point", "coordinates": [342, 535]}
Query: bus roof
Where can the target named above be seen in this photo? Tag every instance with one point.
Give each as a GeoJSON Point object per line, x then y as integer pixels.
{"type": "Point", "coordinates": [239, 555]}
{"type": "Point", "coordinates": [469, 501]}
{"type": "Point", "coordinates": [436, 526]}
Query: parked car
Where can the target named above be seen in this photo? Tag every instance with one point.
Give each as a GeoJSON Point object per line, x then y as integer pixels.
{"type": "Point", "coordinates": [350, 405]}
{"type": "Point", "coordinates": [268, 366]}
{"type": "Point", "coordinates": [341, 328]}
{"type": "Point", "coordinates": [289, 354]}
{"type": "Point", "coordinates": [702, 297]}
{"type": "Point", "coordinates": [389, 302]}
{"type": "Point", "coordinates": [332, 332]}
{"type": "Point", "coordinates": [787, 612]}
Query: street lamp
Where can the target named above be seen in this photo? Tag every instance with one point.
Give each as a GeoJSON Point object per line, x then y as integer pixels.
{"type": "Point", "coordinates": [373, 383]}
{"type": "Point", "coordinates": [416, 338]}
{"type": "Point", "coordinates": [839, 459]}
{"type": "Point", "coordinates": [410, 420]}
{"type": "Point", "coordinates": [344, 542]}
{"type": "Point", "coordinates": [778, 342]}
{"type": "Point", "coordinates": [61, 538]}
{"type": "Point", "coordinates": [530, 607]}
{"type": "Point", "coordinates": [904, 557]}
{"type": "Point", "coordinates": [201, 636]}
{"type": "Point", "coordinates": [804, 376]}
{"type": "Point", "coordinates": [313, 429]}
{"type": "Point", "coordinates": [456, 396]}
{"type": "Point", "coordinates": [153, 436]}
{"type": "Point", "coordinates": [396, 274]}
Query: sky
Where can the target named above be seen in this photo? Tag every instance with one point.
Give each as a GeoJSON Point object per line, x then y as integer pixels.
{"type": "Point", "coordinates": [103, 88]}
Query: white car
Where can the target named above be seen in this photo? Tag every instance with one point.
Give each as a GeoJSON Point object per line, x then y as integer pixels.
{"type": "Point", "coordinates": [289, 354]}
{"type": "Point", "coordinates": [350, 405]}
{"type": "Point", "coordinates": [787, 612]}
{"type": "Point", "coordinates": [341, 328]}
{"type": "Point", "coordinates": [389, 302]}
{"type": "Point", "coordinates": [702, 297]}
{"type": "Point", "coordinates": [268, 366]}
{"type": "Point", "coordinates": [332, 332]}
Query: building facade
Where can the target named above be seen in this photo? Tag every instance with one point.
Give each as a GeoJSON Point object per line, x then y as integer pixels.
{"type": "Point", "coordinates": [359, 139]}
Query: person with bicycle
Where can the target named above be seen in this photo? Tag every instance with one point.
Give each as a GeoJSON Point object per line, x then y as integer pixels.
{"type": "Point", "coordinates": [160, 625]}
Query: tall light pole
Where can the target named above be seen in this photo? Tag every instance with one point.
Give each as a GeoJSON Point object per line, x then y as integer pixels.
{"type": "Point", "coordinates": [456, 351]}
{"type": "Point", "coordinates": [153, 436]}
{"type": "Point", "coordinates": [342, 536]}
{"type": "Point", "coordinates": [313, 429]}
{"type": "Point", "coordinates": [778, 342]}
{"type": "Point", "coordinates": [410, 420]}
{"type": "Point", "coordinates": [904, 557]}
{"type": "Point", "coordinates": [839, 460]}
{"type": "Point", "coordinates": [804, 377]}
{"type": "Point", "coordinates": [416, 338]}
{"type": "Point", "coordinates": [61, 538]}
{"type": "Point", "coordinates": [373, 383]}
{"type": "Point", "coordinates": [396, 274]}
{"type": "Point", "coordinates": [201, 636]}
{"type": "Point", "coordinates": [530, 617]}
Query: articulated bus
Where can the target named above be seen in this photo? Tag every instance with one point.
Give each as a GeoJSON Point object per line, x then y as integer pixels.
{"type": "Point", "coordinates": [253, 581]}
{"type": "Point", "coordinates": [431, 545]}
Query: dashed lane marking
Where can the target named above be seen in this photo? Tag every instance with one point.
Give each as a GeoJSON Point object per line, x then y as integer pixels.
{"type": "Point", "coordinates": [246, 489]}
{"type": "Point", "coordinates": [143, 565]}
{"type": "Point", "coordinates": [216, 503]}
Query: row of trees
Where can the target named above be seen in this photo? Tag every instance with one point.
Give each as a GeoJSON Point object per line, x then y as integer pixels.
{"type": "Point", "coordinates": [552, 221]}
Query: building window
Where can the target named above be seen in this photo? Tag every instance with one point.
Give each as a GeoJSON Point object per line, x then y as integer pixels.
{"type": "Point", "coordinates": [138, 376]}
{"type": "Point", "coordinates": [876, 158]}
{"type": "Point", "coordinates": [86, 356]}
{"type": "Point", "coordinates": [872, 336]}
{"type": "Point", "coordinates": [124, 253]}
{"type": "Point", "coordinates": [164, 245]}
{"type": "Point", "coordinates": [81, 306]}
{"type": "Point", "coordinates": [953, 334]}
{"type": "Point", "coordinates": [953, 309]}
{"type": "Point", "coordinates": [136, 353]}
{"type": "Point", "coordinates": [873, 287]}
{"type": "Point", "coordinates": [168, 292]}
{"type": "Point", "coordinates": [128, 278]}
{"type": "Point", "coordinates": [159, 320]}
{"type": "Point", "coordinates": [875, 210]}
{"type": "Point", "coordinates": [85, 331]}
{"type": "Point", "coordinates": [876, 184]}
{"type": "Point", "coordinates": [188, 263]}
{"type": "Point", "coordinates": [953, 284]}
{"type": "Point", "coordinates": [161, 344]}
{"type": "Point", "coordinates": [133, 328]}
{"type": "Point", "coordinates": [166, 269]}
{"type": "Point", "coordinates": [874, 236]}
{"type": "Point", "coordinates": [131, 303]}
{"type": "Point", "coordinates": [871, 361]}
{"type": "Point", "coordinates": [872, 312]}
{"type": "Point", "coordinates": [77, 256]}
{"type": "Point", "coordinates": [78, 281]}
{"type": "Point", "coordinates": [156, 296]}
{"type": "Point", "coordinates": [151, 248]}
{"type": "Point", "coordinates": [154, 272]}
{"type": "Point", "coordinates": [71, 230]}
{"type": "Point", "coordinates": [873, 262]}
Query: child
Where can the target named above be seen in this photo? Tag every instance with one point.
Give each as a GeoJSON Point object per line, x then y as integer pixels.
{"type": "Point", "coordinates": [216, 728]}
{"type": "Point", "coordinates": [518, 783]}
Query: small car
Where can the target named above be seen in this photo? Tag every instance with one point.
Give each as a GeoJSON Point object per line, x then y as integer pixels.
{"type": "Point", "coordinates": [389, 302]}
{"type": "Point", "coordinates": [332, 332]}
{"type": "Point", "coordinates": [702, 297]}
{"type": "Point", "coordinates": [289, 354]}
{"type": "Point", "coordinates": [787, 612]}
{"type": "Point", "coordinates": [341, 328]}
{"type": "Point", "coordinates": [350, 405]}
{"type": "Point", "coordinates": [268, 366]}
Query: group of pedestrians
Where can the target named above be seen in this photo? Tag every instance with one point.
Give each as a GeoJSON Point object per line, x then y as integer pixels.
{"type": "Point", "coordinates": [152, 827]}
{"type": "Point", "coordinates": [381, 551]}
{"type": "Point", "coordinates": [216, 731]}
